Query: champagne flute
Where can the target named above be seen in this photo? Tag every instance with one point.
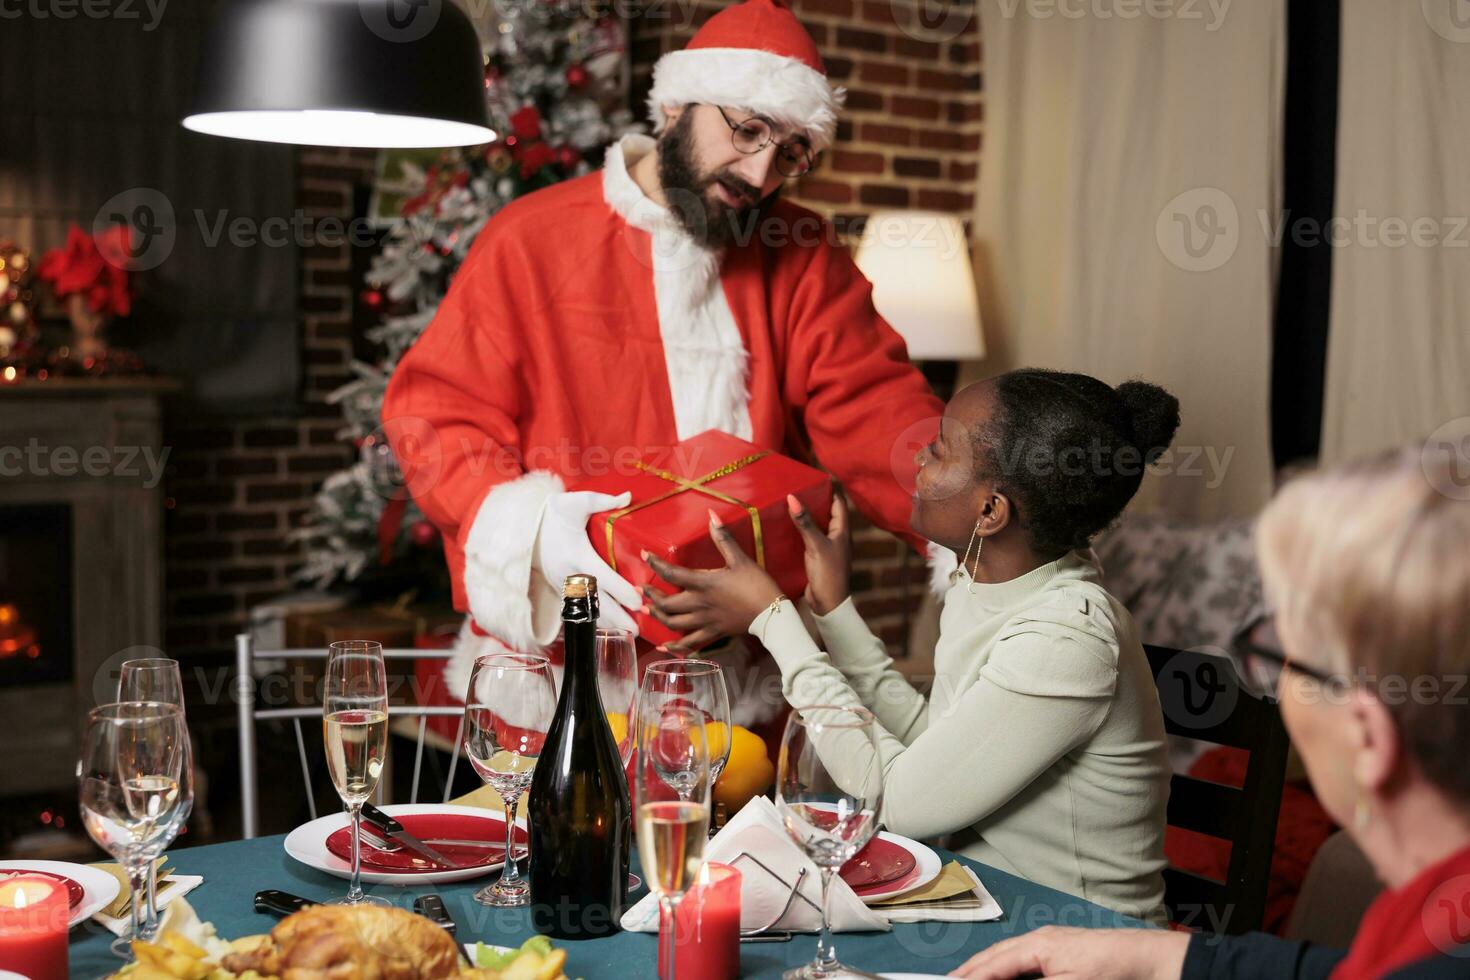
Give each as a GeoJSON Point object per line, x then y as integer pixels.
{"type": "Point", "coordinates": [673, 753]}
{"type": "Point", "coordinates": [158, 679]}
{"type": "Point", "coordinates": [829, 792]}
{"type": "Point", "coordinates": [617, 685]}
{"type": "Point", "coordinates": [132, 789]}
{"type": "Point", "coordinates": [507, 711]}
{"type": "Point", "coordinates": [355, 735]}
{"type": "Point", "coordinates": [699, 684]}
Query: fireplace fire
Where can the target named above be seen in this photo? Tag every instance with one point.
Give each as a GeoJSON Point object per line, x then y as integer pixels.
{"type": "Point", "coordinates": [16, 638]}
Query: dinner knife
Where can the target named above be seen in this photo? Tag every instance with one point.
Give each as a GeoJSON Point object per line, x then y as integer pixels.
{"type": "Point", "coordinates": [394, 830]}
{"type": "Point", "coordinates": [279, 902]}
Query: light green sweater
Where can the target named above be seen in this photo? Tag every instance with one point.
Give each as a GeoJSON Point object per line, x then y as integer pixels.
{"type": "Point", "coordinates": [1041, 746]}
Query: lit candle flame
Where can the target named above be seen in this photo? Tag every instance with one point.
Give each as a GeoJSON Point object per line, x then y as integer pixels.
{"type": "Point", "coordinates": [20, 898]}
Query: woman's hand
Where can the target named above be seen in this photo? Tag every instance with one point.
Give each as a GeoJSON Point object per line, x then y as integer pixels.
{"type": "Point", "coordinates": [714, 602]}
{"type": "Point", "coordinates": [828, 554]}
{"type": "Point", "coordinates": [1101, 954]}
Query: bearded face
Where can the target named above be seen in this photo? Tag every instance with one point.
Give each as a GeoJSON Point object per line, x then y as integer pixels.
{"type": "Point", "coordinates": [715, 206]}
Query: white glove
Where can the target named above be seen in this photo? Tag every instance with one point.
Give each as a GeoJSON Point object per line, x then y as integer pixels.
{"type": "Point", "coordinates": [563, 548]}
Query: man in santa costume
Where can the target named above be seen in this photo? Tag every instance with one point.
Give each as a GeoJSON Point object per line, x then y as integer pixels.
{"type": "Point", "coordinates": [618, 313]}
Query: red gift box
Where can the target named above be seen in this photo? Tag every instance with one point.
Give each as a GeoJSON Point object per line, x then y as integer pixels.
{"type": "Point", "coordinates": [673, 492]}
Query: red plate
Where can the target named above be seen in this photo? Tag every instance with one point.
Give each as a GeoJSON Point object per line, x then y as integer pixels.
{"type": "Point", "coordinates": [426, 827]}
{"type": "Point", "coordinates": [74, 892]}
{"type": "Point", "coordinates": [879, 863]}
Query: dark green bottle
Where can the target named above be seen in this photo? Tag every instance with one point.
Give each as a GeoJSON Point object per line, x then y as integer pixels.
{"type": "Point", "coordinates": [580, 816]}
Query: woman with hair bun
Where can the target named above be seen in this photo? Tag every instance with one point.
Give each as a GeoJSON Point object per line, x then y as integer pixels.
{"type": "Point", "coordinates": [1040, 749]}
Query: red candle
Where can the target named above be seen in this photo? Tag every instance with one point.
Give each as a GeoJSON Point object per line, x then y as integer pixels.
{"type": "Point", "coordinates": [708, 945]}
{"type": "Point", "coordinates": [34, 915]}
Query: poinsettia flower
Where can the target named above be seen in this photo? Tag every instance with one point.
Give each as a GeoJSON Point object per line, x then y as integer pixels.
{"type": "Point", "coordinates": [534, 157]}
{"type": "Point", "coordinates": [97, 269]}
{"type": "Point", "coordinates": [526, 123]}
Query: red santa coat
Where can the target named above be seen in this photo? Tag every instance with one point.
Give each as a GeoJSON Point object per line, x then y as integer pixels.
{"type": "Point", "coordinates": [584, 329]}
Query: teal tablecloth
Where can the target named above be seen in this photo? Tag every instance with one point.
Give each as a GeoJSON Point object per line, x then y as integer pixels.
{"type": "Point", "coordinates": [234, 872]}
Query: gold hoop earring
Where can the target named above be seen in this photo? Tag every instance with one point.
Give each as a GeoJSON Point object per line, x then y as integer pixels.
{"type": "Point", "coordinates": [977, 543]}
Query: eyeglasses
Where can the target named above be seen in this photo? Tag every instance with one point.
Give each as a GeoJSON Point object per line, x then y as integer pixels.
{"type": "Point", "coordinates": [1263, 662]}
{"type": "Point", "coordinates": [756, 133]}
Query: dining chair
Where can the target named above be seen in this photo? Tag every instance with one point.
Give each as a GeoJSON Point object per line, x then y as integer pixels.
{"type": "Point", "coordinates": [246, 686]}
{"type": "Point", "coordinates": [1203, 699]}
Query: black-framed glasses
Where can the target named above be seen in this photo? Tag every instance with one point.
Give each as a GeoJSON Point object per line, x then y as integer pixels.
{"type": "Point", "coordinates": [793, 159]}
{"type": "Point", "coordinates": [1258, 651]}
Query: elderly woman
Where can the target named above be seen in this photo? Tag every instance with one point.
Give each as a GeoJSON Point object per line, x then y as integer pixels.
{"type": "Point", "coordinates": [1040, 749]}
{"type": "Point", "coordinates": [1368, 569]}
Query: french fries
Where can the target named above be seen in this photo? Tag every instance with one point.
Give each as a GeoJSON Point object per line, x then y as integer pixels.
{"type": "Point", "coordinates": [175, 958]}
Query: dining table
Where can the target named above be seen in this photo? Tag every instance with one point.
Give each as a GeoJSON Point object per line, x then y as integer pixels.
{"type": "Point", "coordinates": [233, 872]}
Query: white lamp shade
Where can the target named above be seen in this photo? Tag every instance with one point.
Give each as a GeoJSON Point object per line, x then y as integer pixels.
{"type": "Point", "coordinates": [919, 264]}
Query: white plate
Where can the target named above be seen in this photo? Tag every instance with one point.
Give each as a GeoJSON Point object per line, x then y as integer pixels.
{"type": "Point", "coordinates": [308, 844]}
{"type": "Point", "coordinates": [98, 887]}
{"type": "Point", "coordinates": [928, 863]}
{"type": "Point", "coordinates": [911, 976]}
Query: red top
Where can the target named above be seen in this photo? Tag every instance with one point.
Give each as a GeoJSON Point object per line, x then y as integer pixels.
{"type": "Point", "coordinates": [1426, 917]}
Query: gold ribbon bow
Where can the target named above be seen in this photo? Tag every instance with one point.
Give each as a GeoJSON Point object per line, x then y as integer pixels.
{"type": "Point", "coordinates": [697, 485]}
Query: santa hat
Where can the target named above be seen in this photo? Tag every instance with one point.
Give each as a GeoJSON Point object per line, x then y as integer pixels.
{"type": "Point", "coordinates": [754, 56]}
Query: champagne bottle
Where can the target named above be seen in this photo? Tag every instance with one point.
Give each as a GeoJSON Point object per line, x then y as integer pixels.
{"type": "Point", "coordinates": [579, 812]}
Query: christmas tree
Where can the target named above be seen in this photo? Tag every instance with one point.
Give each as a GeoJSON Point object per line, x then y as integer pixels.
{"type": "Point", "coordinates": [552, 73]}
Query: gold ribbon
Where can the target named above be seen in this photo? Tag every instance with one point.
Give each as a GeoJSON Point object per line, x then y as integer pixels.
{"type": "Point", "coordinates": [698, 486]}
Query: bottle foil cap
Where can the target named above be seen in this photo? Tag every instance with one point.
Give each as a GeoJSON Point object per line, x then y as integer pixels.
{"type": "Point", "coordinates": [579, 586]}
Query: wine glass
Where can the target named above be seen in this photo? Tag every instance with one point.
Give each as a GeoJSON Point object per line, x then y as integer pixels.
{"type": "Point", "coordinates": [507, 711]}
{"type": "Point", "coordinates": [132, 787]}
{"type": "Point", "coordinates": [673, 753]}
{"type": "Point", "coordinates": [617, 685]}
{"type": "Point", "coordinates": [355, 736]}
{"type": "Point", "coordinates": [829, 792]}
{"type": "Point", "coordinates": [157, 679]}
{"type": "Point", "coordinates": [699, 684]}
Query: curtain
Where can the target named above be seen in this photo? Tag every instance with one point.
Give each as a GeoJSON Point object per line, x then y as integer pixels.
{"type": "Point", "coordinates": [1398, 356]}
{"type": "Point", "coordinates": [1129, 176]}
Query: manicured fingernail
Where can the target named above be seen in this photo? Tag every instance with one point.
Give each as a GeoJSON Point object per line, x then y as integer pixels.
{"type": "Point", "coordinates": [792, 504]}
{"type": "Point", "coordinates": [713, 519]}
{"type": "Point", "coordinates": [643, 555]}
{"type": "Point", "coordinates": [644, 609]}
{"type": "Point", "coordinates": [662, 648]}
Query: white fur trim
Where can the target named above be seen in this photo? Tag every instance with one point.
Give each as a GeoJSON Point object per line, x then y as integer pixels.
{"type": "Point", "coordinates": [498, 553]}
{"type": "Point", "coordinates": [773, 85]}
{"type": "Point", "coordinates": [707, 363]}
{"type": "Point", "coordinates": [943, 563]}
{"type": "Point", "coordinates": [467, 647]}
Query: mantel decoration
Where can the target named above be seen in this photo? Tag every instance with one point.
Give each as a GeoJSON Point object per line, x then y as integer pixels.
{"type": "Point", "coordinates": [90, 276]}
{"type": "Point", "coordinates": [15, 297]}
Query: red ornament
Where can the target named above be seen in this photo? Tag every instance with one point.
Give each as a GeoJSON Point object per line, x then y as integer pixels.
{"type": "Point", "coordinates": [423, 534]}
{"type": "Point", "coordinates": [372, 299]}
{"type": "Point", "coordinates": [576, 75]}
{"type": "Point", "coordinates": [567, 157]}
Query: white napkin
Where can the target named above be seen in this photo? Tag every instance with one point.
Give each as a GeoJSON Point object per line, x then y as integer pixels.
{"type": "Point", "coordinates": [170, 887]}
{"type": "Point", "coordinates": [757, 829]}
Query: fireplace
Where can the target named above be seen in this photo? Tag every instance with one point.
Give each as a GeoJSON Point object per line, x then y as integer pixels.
{"type": "Point", "coordinates": [80, 561]}
{"type": "Point", "coordinates": [35, 595]}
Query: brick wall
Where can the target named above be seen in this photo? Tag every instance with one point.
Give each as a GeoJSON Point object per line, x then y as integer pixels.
{"type": "Point", "coordinates": [910, 138]}
{"type": "Point", "coordinates": [236, 487]}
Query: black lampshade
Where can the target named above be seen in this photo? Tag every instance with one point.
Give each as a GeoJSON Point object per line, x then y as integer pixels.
{"type": "Point", "coordinates": [373, 73]}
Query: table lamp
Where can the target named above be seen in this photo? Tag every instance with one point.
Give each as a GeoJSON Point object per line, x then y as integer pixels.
{"type": "Point", "coordinates": [919, 264]}
{"type": "Point", "coordinates": [368, 73]}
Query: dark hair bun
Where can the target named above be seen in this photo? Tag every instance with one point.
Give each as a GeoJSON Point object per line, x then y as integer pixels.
{"type": "Point", "coordinates": [1155, 415]}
